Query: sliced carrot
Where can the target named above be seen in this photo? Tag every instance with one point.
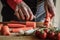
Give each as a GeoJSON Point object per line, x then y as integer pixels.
{"type": "Point", "coordinates": [16, 30]}
{"type": "Point", "coordinates": [31, 24]}
{"type": "Point", "coordinates": [5, 30]}
{"type": "Point", "coordinates": [15, 22]}
{"type": "Point", "coordinates": [16, 25]}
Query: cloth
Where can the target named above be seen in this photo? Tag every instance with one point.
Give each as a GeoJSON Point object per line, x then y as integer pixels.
{"type": "Point", "coordinates": [32, 4]}
{"type": "Point", "coordinates": [7, 12]}
{"type": "Point", "coordinates": [13, 3]}
{"type": "Point", "coordinates": [40, 14]}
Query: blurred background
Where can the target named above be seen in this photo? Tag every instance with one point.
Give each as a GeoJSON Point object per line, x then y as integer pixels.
{"type": "Point", "coordinates": [0, 12]}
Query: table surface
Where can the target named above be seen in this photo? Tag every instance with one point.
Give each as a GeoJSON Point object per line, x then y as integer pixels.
{"type": "Point", "coordinates": [18, 38]}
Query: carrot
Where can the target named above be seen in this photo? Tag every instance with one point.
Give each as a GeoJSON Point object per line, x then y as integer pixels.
{"type": "Point", "coordinates": [5, 30]}
{"type": "Point", "coordinates": [16, 25]}
{"type": "Point", "coordinates": [31, 24]}
{"type": "Point", "coordinates": [14, 22]}
{"type": "Point", "coordinates": [16, 30]}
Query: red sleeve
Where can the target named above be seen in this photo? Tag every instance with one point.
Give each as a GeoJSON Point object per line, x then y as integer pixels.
{"type": "Point", "coordinates": [13, 3]}
{"type": "Point", "coordinates": [17, 1]}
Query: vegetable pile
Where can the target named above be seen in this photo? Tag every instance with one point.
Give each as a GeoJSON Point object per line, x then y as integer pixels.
{"type": "Point", "coordinates": [48, 33]}
{"type": "Point", "coordinates": [17, 28]}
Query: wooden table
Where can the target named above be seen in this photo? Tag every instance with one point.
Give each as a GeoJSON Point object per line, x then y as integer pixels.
{"type": "Point", "coordinates": [18, 38]}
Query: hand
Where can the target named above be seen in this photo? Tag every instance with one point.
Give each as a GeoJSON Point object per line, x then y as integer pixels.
{"type": "Point", "coordinates": [51, 8]}
{"type": "Point", "coordinates": [24, 12]}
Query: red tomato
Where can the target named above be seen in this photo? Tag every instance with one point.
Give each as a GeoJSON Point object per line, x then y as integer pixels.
{"type": "Point", "coordinates": [5, 30]}
{"type": "Point", "coordinates": [16, 25]}
{"type": "Point", "coordinates": [51, 35]}
{"type": "Point", "coordinates": [43, 35]}
{"type": "Point", "coordinates": [58, 36]}
{"type": "Point", "coordinates": [37, 33]}
{"type": "Point", "coordinates": [31, 24]}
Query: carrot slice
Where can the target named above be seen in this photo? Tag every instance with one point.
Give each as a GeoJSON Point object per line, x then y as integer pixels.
{"type": "Point", "coordinates": [5, 30]}
{"type": "Point", "coordinates": [31, 24]}
{"type": "Point", "coordinates": [16, 25]}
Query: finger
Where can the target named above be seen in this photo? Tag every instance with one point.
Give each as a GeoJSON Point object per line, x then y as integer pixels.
{"type": "Point", "coordinates": [31, 17]}
{"type": "Point", "coordinates": [21, 14]}
{"type": "Point", "coordinates": [17, 14]}
{"type": "Point", "coordinates": [31, 14]}
{"type": "Point", "coordinates": [25, 12]}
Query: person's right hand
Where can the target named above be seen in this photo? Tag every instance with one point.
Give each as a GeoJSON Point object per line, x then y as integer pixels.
{"type": "Point", "coordinates": [24, 12]}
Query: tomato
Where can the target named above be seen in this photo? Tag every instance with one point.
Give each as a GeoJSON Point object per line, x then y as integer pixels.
{"type": "Point", "coordinates": [31, 24]}
{"type": "Point", "coordinates": [51, 35]}
{"type": "Point", "coordinates": [43, 35]}
{"type": "Point", "coordinates": [37, 33]}
{"type": "Point", "coordinates": [58, 36]}
{"type": "Point", "coordinates": [5, 30]}
{"type": "Point", "coordinates": [16, 25]}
